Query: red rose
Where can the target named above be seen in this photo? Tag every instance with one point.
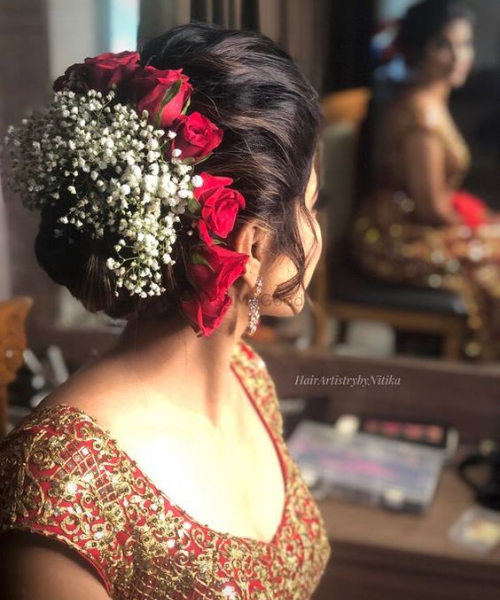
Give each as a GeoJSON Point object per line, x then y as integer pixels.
{"type": "Point", "coordinates": [209, 182]}
{"type": "Point", "coordinates": [219, 207]}
{"type": "Point", "coordinates": [214, 281]}
{"type": "Point", "coordinates": [204, 233]}
{"type": "Point", "coordinates": [205, 316]}
{"type": "Point", "coordinates": [206, 308]}
{"type": "Point", "coordinates": [150, 88]}
{"type": "Point", "coordinates": [196, 137]}
{"type": "Point", "coordinates": [99, 73]}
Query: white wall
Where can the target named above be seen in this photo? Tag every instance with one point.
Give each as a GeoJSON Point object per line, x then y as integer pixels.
{"type": "Point", "coordinates": [81, 28]}
{"type": "Point", "coordinates": [75, 31]}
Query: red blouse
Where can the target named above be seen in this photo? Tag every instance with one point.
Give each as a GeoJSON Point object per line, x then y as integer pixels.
{"type": "Point", "coordinates": [63, 476]}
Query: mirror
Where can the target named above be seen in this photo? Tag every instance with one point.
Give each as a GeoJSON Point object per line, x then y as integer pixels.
{"type": "Point", "coordinates": [427, 220]}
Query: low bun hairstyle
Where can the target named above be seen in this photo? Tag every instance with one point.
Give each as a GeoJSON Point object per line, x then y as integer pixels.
{"type": "Point", "coordinates": [270, 115]}
{"type": "Point", "coordinates": [425, 20]}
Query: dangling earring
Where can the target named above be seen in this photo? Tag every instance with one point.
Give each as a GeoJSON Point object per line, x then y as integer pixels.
{"type": "Point", "coordinates": [253, 307]}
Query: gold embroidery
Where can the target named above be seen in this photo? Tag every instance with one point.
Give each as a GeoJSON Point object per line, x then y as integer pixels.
{"type": "Point", "coordinates": [63, 476]}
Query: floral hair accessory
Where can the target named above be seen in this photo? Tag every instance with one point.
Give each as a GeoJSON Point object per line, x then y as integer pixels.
{"type": "Point", "coordinates": [117, 150]}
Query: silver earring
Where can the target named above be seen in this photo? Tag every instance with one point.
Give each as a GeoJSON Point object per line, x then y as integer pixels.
{"type": "Point", "coordinates": [253, 307]}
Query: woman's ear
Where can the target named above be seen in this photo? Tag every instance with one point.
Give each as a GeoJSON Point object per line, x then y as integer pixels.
{"type": "Point", "coordinates": [252, 240]}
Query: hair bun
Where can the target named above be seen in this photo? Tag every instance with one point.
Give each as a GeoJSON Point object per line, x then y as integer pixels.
{"type": "Point", "coordinates": [73, 261]}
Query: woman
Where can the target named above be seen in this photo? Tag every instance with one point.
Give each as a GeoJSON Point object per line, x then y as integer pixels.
{"type": "Point", "coordinates": [159, 470]}
{"type": "Point", "coordinates": [416, 226]}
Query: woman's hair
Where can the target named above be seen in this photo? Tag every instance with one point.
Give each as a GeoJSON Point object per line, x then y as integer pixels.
{"type": "Point", "coordinates": [425, 20]}
{"type": "Point", "coordinates": [270, 115]}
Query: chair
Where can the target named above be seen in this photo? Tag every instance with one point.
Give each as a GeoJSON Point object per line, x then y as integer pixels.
{"type": "Point", "coordinates": [12, 345]}
{"type": "Point", "coordinates": [339, 288]}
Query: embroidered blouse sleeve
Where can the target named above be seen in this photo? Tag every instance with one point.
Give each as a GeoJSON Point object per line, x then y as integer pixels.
{"type": "Point", "coordinates": [52, 484]}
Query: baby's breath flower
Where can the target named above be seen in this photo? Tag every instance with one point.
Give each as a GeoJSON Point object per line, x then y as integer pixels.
{"type": "Point", "coordinates": [110, 161]}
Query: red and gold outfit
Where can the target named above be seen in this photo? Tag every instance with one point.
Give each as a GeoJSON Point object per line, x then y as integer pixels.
{"type": "Point", "coordinates": [392, 243]}
{"type": "Point", "coordinates": [63, 476]}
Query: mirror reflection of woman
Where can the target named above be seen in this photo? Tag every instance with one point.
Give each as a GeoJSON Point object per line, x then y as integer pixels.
{"type": "Point", "coordinates": [417, 226]}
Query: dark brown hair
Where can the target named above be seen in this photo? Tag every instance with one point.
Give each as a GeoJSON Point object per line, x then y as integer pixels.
{"type": "Point", "coordinates": [424, 21]}
{"type": "Point", "coordinates": [270, 115]}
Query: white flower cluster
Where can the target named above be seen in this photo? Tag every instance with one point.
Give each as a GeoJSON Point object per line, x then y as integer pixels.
{"type": "Point", "coordinates": [109, 162]}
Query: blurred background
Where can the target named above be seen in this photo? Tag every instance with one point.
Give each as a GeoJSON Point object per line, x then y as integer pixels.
{"type": "Point", "coordinates": [356, 326]}
{"type": "Point", "coordinates": [346, 48]}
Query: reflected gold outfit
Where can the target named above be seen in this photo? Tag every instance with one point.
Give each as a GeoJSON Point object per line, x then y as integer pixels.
{"type": "Point", "coordinates": [390, 242]}
{"type": "Point", "coordinates": [64, 477]}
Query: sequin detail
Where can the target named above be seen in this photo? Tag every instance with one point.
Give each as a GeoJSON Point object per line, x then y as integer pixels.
{"type": "Point", "coordinates": [63, 476]}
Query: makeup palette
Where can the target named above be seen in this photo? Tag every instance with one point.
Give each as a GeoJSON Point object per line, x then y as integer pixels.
{"type": "Point", "coordinates": [439, 435]}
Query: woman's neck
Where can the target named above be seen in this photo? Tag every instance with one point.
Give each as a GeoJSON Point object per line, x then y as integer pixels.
{"type": "Point", "coordinates": [170, 364]}
{"type": "Point", "coordinates": [439, 89]}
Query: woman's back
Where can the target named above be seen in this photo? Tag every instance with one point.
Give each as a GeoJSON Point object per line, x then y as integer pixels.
{"type": "Point", "coordinates": [411, 114]}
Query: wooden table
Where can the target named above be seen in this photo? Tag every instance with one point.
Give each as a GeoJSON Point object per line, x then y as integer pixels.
{"type": "Point", "coordinates": [383, 555]}
{"type": "Point", "coordinates": [377, 554]}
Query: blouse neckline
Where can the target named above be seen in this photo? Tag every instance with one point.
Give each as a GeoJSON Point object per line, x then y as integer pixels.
{"type": "Point", "coordinates": [235, 366]}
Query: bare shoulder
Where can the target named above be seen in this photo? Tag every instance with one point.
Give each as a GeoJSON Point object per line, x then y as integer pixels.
{"type": "Point", "coordinates": [36, 568]}
{"type": "Point", "coordinates": [419, 108]}
{"type": "Point", "coordinates": [107, 394]}
{"type": "Point", "coordinates": [91, 389]}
